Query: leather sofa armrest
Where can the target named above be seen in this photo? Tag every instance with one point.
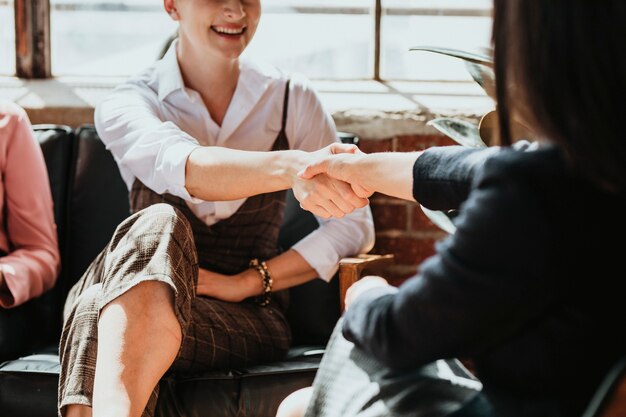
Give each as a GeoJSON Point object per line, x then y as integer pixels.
{"type": "Point", "coordinates": [351, 269]}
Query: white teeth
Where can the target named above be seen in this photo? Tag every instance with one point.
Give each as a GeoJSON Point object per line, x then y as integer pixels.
{"type": "Point", "coordinates": [228, 31]}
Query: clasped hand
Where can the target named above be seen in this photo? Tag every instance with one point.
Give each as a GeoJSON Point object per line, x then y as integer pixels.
{"type": "Point", "coordinates": [327, 192]}
{"type": "Point", "coordinates": [231, 288]}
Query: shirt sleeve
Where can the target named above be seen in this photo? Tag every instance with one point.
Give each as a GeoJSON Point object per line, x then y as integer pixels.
{"type": "Point", "coordinates": [144, 145]}
{"type": "Point", "coordinates": [32, 264]}
{"type": "Point", "coordinates": [312, 129]}
{"type": "Point", "coordinates": [478, 289]}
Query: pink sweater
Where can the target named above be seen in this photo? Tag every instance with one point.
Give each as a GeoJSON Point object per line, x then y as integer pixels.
{"type": "Point", "coordinates": [27, 229]}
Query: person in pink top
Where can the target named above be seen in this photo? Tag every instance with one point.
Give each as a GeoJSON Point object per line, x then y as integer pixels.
{"type": "Point", "coordinates": [29, 254]}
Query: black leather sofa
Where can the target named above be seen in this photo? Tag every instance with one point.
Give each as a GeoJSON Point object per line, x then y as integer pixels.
{"type": "Point", "coordinates": [90, 200]}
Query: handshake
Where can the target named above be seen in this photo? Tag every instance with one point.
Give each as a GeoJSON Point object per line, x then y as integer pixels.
{"type": "Point", "coordinates": [339, 178]}
{"type": "Point", "coordinates": [333, 181]}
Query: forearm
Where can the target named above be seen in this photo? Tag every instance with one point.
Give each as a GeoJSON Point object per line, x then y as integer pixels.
{"type": "Point", "coordinates": [287, 270]}
{"type": "Point", "coordinates": [218, 174]}
{"type": "Point", "coordinates": [387, 173]}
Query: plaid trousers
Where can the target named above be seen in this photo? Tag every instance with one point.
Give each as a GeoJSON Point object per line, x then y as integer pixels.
{"type": "Point", "coordinates": [157, 244]}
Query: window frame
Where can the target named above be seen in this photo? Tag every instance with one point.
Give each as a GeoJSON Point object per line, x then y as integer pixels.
{"type": "Point", "coordinates": [32, 39]}
{"type": "Point", "coordinates": [33, 49]}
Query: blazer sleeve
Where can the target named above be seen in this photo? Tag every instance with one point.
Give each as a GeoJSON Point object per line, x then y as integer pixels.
{"type": "Point", "coordinates": [479, 287]}
{"type": "Point", "coordinates": [443, 176]}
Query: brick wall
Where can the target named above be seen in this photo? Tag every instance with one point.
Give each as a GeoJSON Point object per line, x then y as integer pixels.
{"type": "Point", "coordinates": [401, 227]}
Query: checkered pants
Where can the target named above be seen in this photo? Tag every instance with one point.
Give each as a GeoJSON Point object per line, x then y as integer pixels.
{"type": "Point", "coordinates": [157, 244]}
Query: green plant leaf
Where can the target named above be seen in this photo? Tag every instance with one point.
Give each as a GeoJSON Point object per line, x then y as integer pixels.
{"type": "Point", "coordinates": [462, 132]}
{"type": "Point", "coordinates": [484, 77]}
{"type": "Point", "coordinates": [474, 57]}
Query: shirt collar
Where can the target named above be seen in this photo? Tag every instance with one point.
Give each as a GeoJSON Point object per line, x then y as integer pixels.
{"type": "Point", "coordinates": [168, 73]}
{"type": "Point", "coordinates": [253, 82]}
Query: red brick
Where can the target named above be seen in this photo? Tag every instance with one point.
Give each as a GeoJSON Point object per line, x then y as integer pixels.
{"type": "Point", "coordinates": [375, 145]}
{"type": "Point", "coordinates": [411, 143]}
{"type": "Point", "coordinates": [389, 216]}
{"type": "Point", "coordinates": [407, 250]}
{"type": "Point", "coordinates": [421, 223]}
{"type": "Point", "coordinates": [397, 274]}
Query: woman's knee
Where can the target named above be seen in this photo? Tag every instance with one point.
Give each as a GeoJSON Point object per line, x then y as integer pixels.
{"type": "Point", "coordinates": [162, 216]}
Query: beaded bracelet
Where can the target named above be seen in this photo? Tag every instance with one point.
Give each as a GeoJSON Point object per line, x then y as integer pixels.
{"type": "Point", "coordinates": [266, 279]}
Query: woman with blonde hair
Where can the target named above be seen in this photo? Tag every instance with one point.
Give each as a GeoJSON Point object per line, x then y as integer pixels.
{"type": "Point", "coordinates": [194, 280]}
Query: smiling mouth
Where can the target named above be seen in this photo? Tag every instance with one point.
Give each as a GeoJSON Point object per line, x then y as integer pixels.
{"type": "Point", "coordinates": [229, 31]}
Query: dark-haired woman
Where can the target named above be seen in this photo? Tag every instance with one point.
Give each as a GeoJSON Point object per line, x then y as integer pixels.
{"type": "Point", "coordinates": [527, 285]}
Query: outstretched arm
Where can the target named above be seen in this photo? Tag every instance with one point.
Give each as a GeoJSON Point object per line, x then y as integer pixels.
{"type": "Point", "coordinates": [439, 178]}
{"type": "Point", "coordinates": [217, 174]}
{"type": "Point", "coordinates": [169, 160]}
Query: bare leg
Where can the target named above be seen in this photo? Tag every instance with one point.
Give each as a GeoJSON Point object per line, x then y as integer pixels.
{"type": "Point", "coordinates": [295, 404]}
{"type": "Point", "coordinates": [139, 339]}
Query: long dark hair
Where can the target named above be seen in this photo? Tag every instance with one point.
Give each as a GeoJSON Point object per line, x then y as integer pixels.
{"type": "Point", "coordinates": [561, 65]}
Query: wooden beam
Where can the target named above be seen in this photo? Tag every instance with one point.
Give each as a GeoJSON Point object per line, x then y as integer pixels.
{"type": "Point", "coordinates": [32, 39]}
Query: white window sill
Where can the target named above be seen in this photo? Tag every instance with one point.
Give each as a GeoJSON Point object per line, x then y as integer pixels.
{"type": "Point", "coordinates": [368, 108]}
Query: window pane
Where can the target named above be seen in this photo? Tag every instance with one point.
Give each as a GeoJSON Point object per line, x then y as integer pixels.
{"type": "Point", "coordinates": [95, 37]}
{"type": "Point", "coordinates": [7, 38]}
{"type": "Point", "coordinates": [458, 24]}
{"type": "Point", "coordinates": [322, 39]}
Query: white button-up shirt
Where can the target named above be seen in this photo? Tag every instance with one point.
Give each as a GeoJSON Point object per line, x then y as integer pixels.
{"type": "Point", "coordinates": [152, 122]}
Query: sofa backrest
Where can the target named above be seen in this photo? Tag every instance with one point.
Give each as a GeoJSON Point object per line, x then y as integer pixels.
{"type": "Point", "coordinates": [98, 202]}
{"type": "Point", "coordinates": [91, 200]}
{"type": "Point", "coordinates": [56, 144]}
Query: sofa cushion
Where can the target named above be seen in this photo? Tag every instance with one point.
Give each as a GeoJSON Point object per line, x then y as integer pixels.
{"type": "Point", "coordinates": [253, 391]}
{"type": "Point", "coordinates": [28, 387]}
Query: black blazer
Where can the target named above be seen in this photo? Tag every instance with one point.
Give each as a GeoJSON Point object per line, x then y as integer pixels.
{"type": "Point", "coordinates": [529, 286]}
